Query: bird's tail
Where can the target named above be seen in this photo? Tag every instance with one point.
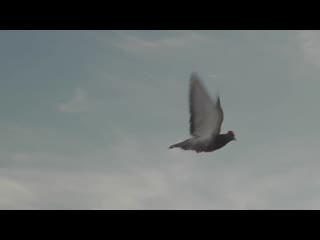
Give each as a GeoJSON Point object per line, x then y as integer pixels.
{"type": "Point", "coordinates": [184, 145]}
{"type": "Point", "coordinates": [174, 146]}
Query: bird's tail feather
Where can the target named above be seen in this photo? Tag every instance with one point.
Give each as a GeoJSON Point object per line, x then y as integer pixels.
{"type": "Point", "coordinates": [184, 145]}
{"type": "Point", "coordinates": [190, 144]}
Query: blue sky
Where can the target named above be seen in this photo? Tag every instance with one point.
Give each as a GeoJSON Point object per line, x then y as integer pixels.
{"type": "Point", "coordinates": [87, 118]}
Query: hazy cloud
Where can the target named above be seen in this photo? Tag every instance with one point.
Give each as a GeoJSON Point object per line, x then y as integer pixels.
{"type": "Point", "coordinates": [183, 39]}
{"type": "Point", "coordinates": [77, 103]}
{"type": "Point", "coordinates": [145, 175]}
{"type": "Point", "coordinates": [310, 46]}
{"type": "Point", "coordinates": [117, 156]}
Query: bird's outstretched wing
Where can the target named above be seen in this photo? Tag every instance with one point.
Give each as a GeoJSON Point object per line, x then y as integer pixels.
{"type": "Point", "coordinates": [206, 115]}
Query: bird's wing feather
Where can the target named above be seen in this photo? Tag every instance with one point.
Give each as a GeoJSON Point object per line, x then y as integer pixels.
{"type": "Point", "coordinates": [206, 115]}
{"type": "Point", "coordinates": [220, 113]}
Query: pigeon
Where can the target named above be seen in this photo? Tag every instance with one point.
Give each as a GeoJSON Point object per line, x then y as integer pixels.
{"type": "Point", "coordinates": [206, 117]}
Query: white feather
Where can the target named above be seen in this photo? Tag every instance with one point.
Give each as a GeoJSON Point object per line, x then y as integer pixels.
{"type": "Point", "coordinates": [206, 114]}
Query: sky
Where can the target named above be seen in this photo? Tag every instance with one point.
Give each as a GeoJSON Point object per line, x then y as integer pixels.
{"type": "Point", "coordinates": [87, 118]}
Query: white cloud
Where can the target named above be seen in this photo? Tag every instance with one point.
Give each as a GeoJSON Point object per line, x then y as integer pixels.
{"type": "Point", "coordinates": [140, 174]}
{"type": "Point", "coordinates": [213, 76]}
{"type": "Point", "coordinates": [14, 195]}
{"type": "Point", "coordinates": [309, 42]}
{"type": "Point", "coordinates": [77, 103]}
{"type": "Point", "coordinates": [177, 40]}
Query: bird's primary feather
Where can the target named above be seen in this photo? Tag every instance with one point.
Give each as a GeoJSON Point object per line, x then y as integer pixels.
{"type": "Point", "coordinates": [206, 115]}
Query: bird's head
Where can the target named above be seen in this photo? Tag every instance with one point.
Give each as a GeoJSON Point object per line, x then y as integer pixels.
{"type": "Point", "coordinates": [231, 135]}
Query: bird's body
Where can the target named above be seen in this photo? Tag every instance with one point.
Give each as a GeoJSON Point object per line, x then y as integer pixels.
{"type": "Point", "coordinates": [197, 145]}
{"type": "Point", "coordinates": [206, 117]}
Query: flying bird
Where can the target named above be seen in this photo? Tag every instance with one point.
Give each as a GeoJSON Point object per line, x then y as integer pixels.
{"type": "Point", "coordinates": [206, 117]}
